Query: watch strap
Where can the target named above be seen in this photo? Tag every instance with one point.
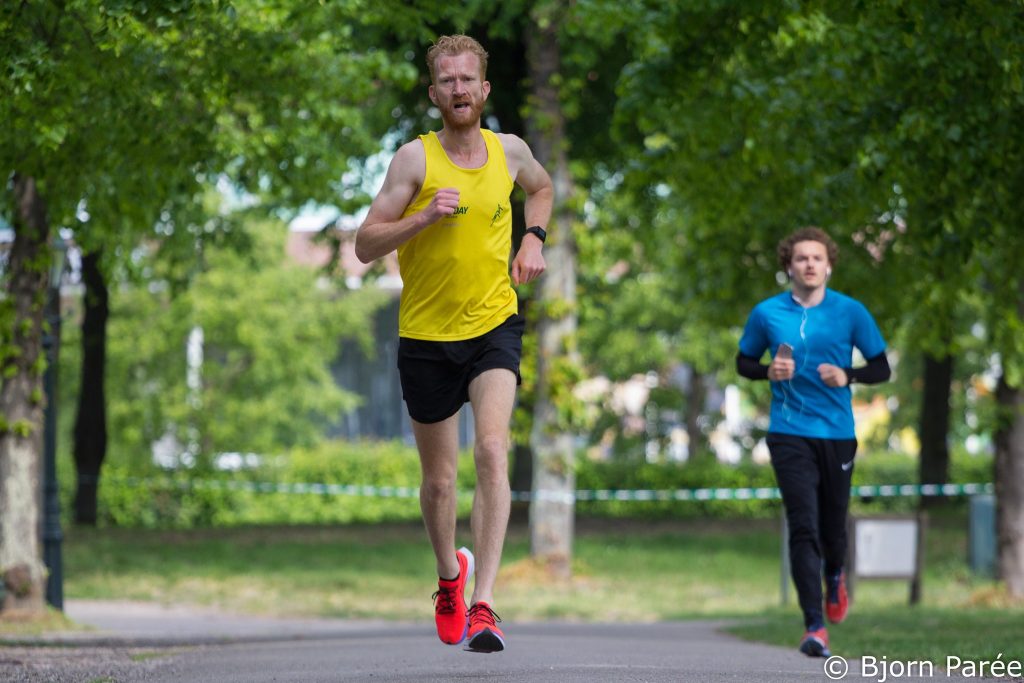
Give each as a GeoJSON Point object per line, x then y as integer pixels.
{"type": "Point", "coordinates": [540, 232]}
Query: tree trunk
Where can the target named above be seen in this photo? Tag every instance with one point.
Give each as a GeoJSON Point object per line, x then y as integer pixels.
{"type": "Point", "coordinates": [21, 405]}
{"type": "Point", "coordinates": [696, 397]}
{"type": "Point", "coordinates": [91, 421]}
{"type": "Point", "coordinates": [1009, 477]}
{"type": "Point", "coordinates": [934, 425]}
{"type": "Point", "coordinates": [552, 507]}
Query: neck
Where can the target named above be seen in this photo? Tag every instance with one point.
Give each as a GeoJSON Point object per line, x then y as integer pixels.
{"type": "Point", "coordinates": [808, 297]}
{"type": "Point", "coordinates": [463, 143]}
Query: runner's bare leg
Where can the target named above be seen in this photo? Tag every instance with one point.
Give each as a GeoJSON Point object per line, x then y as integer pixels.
{"type": "Point", "coordinates": [492, 395]}
{"type": "Point", "coordinates": [438, 445]}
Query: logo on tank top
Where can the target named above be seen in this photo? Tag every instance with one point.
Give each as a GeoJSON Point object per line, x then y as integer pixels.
{"type": "Point", "coordinates": [461, 211]}
{"type": "Point", "coordinates": [498, 214]}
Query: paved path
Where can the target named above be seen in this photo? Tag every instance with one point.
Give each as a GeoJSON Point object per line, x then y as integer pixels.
{"type": "Point", "coordinates": [146, 643]}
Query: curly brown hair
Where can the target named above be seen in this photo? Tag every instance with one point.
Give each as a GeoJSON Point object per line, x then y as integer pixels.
{"type": "Point", "coordinates": [807, 234]}
{"type": "Point", "coordinates": [451, 46]}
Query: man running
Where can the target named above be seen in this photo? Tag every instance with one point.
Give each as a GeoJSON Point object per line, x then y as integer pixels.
{"type": "Point", "coordinates": [445, 206]}
{"type": "Point", "coordinates": [811, 332]}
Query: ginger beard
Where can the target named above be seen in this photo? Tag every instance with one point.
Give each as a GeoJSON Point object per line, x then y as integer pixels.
{"type": "Point", "coordinates": [463, 113]}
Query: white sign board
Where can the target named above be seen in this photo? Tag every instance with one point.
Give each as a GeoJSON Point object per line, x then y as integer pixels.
{"type": "Point", "coordinates": [886, 548]}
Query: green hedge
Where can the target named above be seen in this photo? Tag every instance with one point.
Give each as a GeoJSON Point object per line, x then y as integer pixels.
{"type": "Point", "coordinates": [152, 498]}
{"type": "Point", "coordinates": [707, 473]}
{"type": "Point", "coordinates": [870, 469]}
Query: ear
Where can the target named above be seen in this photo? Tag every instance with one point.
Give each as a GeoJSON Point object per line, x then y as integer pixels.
{"type": "Point", "coordinates": [828, 272]}
{"type": "Point", "coordinates": [487, 89]}
{"type": "Point", "coordinates": [431, 94]}
{"type": "Point", "coordinates": [789, 273]}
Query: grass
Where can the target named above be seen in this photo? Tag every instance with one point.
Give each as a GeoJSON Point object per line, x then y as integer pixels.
{"type": "Point", "coordinates": [21, 625]}
{"type": "Point", "coordinates": [623, 572]}
{"type": "Point", "coordinates": [901, 634]}
{"type": "Point", "coordinates": [658, 572]}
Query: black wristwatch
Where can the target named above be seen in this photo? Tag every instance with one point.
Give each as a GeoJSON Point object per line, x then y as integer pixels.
{"type": "Point", "coordinates": [540, 232]}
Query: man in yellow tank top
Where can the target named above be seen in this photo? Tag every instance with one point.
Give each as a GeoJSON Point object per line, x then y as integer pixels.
{"type": "Point", "coordinates": [445, 207]}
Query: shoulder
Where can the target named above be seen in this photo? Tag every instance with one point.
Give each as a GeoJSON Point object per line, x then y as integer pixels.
{"type": "Point", "coordinates": [410, 151]}
{"type": "Point", "coordinates": [515, 147]}
{"type": "Point", "coordinates": [772, 303]}
{"type": "Point", "coordinates": [853, 311]}
{"type": "Point", "coordinates": [523, 167]}
{"type": "Point", "coordinates": [846, 302]}
{"type": "Point", "coordinates": [410, 161]}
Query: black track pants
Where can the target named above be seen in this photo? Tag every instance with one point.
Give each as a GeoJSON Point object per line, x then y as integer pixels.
{"type": "Point", "coordinates": [814, 476]}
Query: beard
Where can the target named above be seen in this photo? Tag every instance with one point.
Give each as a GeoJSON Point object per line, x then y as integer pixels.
{"type": "Point", "coordinates": [461, 119]}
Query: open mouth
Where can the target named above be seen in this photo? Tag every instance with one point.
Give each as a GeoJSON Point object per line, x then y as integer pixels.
{"type": "Point", "coordinates": [460, 106]}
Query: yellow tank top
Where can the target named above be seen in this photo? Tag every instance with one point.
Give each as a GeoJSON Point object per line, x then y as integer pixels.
{"type": "Point", "coordinates": [455, 279]}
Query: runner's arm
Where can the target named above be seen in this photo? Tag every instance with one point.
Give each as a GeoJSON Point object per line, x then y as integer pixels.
{"type": "Point", "coordinates": [750, 367]}
{"type": "Point", "coordinates": [384, 229]}
{"type": "Point", "coordinates": [535, 181]}
{"type": "Point", "coordinates": [540, 196]}
{"type": "Point", "coordinates": [876, 371]}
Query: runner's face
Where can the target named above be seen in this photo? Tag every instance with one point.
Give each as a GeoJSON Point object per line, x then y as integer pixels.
{"type": "Point", "coordinates": [809, 265]}
{"type": "Point", "coordinates": [459, 91]}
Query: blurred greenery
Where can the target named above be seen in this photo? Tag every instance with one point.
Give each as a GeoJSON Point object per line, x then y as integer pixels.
{"type": "Point", "coordinates": [177, 139]}
{"type": "Point", "coordinates": [138, 494]}
{"type": "Point", "coordinates": [270, 331]}
{"type": "Point", "coordinates": [698, 134]}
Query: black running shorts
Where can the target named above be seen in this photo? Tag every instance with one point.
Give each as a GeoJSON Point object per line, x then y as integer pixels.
{"type": "Point", "coordinates": [436, 375]}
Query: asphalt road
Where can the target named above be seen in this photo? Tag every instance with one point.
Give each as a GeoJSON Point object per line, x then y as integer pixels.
{"type": "Point", "coordinates": [146, 643]}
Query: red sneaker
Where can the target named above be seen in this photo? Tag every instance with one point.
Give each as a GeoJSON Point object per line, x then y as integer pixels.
{"type": "Point", "coordinates": [815, 643]}
{"type": "Point", "coordinates": [484, 634]}
{"type": "Point", "coordinates": [836, 600]}
{"type": "Point", "coordinates": [450, 602]}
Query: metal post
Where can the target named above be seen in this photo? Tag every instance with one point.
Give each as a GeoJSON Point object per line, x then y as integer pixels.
{"type": "Point", "coordinates": [52, 534]}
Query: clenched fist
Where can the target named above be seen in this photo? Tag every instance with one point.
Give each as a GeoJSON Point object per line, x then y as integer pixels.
{"type": "Point", "coordinates": [444, 203]}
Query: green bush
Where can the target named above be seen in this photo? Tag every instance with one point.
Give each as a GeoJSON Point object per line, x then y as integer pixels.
{"type": "Point", "coordinates": [871, 469]}
{"type": "Point", "coordinates": [148, 497]}
{"type": "Point", "coordinates": [704, 473]}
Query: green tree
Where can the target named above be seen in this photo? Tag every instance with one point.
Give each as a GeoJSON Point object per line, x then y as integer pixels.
{"type": "Point", "coordinates": [124, 113]}
{"type": "Point", "coordinates": [269, 332]}
{"type": "Point", "coordinates": [891, 124]}
{"type": "Point", "coordinates": [551, 508]}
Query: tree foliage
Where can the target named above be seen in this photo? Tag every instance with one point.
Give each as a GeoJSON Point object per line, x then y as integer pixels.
{"type": "Point", "coordinates": [270, 331]}
{"type": "Point", "coordinates": [119, 116]}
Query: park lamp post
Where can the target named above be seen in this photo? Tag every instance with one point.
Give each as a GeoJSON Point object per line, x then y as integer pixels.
{"type": "Point", "coordinates": [51, 531]}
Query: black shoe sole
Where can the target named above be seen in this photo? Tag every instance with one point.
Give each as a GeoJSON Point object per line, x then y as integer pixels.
{"type": "Point", "coordinates": [813, 648]}
{"type": "Point", "coordinates": [486, 641]}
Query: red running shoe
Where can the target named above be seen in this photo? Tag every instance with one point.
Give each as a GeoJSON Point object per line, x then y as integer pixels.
{"type": "Point", "coordinates": [450, 602]}
{"type": "Point", "coordinates": [836, 600]}
{"type": "Point", "coordinates": [815, 643]}
{"type": "Point", "coordinates": [484, 634]}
